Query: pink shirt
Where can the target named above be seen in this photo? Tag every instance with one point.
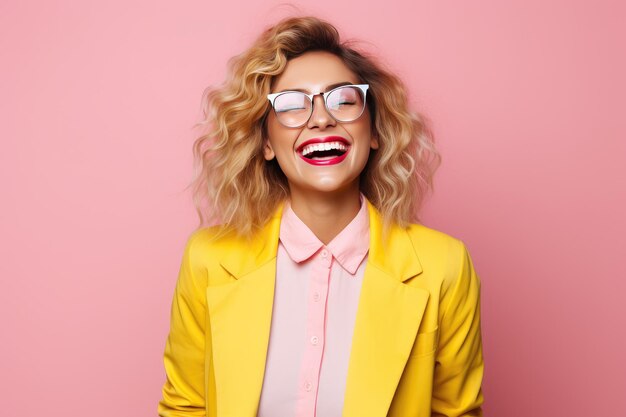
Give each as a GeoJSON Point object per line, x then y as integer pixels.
{"type": "Point", "coordinates": [315, 303]}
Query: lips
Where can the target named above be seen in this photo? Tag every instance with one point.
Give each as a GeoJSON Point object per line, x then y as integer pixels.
{"type": "Point", "coordinates": [329, 150]}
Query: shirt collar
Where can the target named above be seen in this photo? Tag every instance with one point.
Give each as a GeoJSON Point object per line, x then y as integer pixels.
{"type": "Point", "coordinates": [349, 247]}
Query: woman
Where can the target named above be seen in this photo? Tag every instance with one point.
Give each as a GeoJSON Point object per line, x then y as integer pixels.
{"type": "Point", "coordinates": [317, 294]}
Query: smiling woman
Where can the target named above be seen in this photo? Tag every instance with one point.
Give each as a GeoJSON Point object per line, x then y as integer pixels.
{"type": "Point", "coordinates": [317, 293]}
{"type": "Point", "coordinates": [321, 147]}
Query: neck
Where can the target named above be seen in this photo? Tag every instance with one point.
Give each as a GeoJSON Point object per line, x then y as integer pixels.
{"type": "Point", "coordinates": [326, 214]}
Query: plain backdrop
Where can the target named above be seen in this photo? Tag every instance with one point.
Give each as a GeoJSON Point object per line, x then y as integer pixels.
{"type": "Point", "coordinates": [97, 105]}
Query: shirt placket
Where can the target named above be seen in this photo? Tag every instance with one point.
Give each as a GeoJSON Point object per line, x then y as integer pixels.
{"type": "Point", "coordinates": [317, 296]}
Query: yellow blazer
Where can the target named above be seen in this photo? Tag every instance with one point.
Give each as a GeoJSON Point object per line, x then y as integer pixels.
{"type": "Point", "coordinates": [416, 346]}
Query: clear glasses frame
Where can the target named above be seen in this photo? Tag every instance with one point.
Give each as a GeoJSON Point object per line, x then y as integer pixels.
{"type": "Point", "coordinates": [363, 87]}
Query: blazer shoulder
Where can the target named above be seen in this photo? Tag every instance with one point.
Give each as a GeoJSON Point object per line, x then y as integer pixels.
{"type": "Point", "coordinates": [427, 238]}
{"type": "Point", "coordinates": [444, 258]}
{"type": "Point", "coordinates": [209, 243]}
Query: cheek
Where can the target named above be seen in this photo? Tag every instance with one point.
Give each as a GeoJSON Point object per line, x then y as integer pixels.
{"type": "Point", "coordinates": [281, 139]}
{"type": "Point", "coordinates": [365, 129]}
{"type": "Point", "coordinates": [272, 123]}
{"type": "Point", "coordinates": [270, 131]}
{"type": "Point", "coordinates": [364, 135]}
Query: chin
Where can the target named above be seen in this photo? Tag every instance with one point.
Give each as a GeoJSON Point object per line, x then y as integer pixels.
{"type": "Point", "coordinates": [330, 187]}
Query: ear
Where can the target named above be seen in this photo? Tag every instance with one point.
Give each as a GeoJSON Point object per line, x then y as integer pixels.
{"type": "Point", "coordinates": [268, 152]}
{"type": "Point", "coordinates": [374, 141]}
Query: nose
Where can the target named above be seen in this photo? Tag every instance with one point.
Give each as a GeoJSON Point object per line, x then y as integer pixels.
{"type": "Point", "coordinates": [319, 116]}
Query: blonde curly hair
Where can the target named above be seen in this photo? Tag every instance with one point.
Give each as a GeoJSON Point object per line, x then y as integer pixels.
{"type": "Point", "coordinates": [235, 186]}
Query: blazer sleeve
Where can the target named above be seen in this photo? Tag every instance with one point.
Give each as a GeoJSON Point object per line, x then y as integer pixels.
{"type": "Point", "coordinates": [457, 384]}
{"type": "Point", "coordinates": [184, 358]}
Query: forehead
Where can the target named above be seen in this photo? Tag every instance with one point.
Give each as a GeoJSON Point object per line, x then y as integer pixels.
{"type": "Point", "coordinates": [314, 71]}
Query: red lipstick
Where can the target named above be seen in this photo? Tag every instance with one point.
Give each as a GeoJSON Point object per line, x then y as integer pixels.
{"type": "Point", "coordinates": [327, 161]}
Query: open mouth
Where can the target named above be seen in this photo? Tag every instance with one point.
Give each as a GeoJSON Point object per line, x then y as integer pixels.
{"type": "Point", "coordinates": [324, 153]}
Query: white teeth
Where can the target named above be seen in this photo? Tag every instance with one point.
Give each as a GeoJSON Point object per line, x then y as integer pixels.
{"type": "Point", "coordinates": [323, 147]}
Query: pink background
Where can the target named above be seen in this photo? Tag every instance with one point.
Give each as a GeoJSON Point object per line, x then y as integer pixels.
{"type": "Point", "coordinates": [98, 100]}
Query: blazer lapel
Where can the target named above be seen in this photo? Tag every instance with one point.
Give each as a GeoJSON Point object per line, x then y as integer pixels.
{"type": "Point", "coordinates": [240, 315]}
{"type": "Point", "coordinates": [387, 320]}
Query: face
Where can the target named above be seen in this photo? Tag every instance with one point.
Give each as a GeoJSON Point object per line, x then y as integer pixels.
{"type": "Point", "coordinates": [328, 171]}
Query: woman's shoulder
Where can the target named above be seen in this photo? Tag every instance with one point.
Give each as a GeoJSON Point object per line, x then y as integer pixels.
{"type": "Point", "coordinates": [214, 238]}
{"type": "Point", "coordinates": [422, 235]}
{"type": "Point", "coordinates": [437, 248]}
{"type": "Point", "coordinates": [205, 250]}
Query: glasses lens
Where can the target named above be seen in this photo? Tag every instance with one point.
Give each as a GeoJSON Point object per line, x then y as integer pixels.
{"type": "Point", "coordinates": [346, 103]}
{"type": "Point", "coordinates": [292, 108]}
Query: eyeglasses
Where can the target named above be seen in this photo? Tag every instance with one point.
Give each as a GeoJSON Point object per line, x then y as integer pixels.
{"type": "Point", "coordinates": [294, 108]}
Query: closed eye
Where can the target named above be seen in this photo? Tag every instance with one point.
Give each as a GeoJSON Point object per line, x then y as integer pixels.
{"type": "Point", "coordinates": [289, 109]}
{"type": "Point", "coordinates": [343, 103]}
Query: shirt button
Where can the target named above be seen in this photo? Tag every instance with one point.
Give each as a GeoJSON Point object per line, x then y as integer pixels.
{"type": "Point", "coordinates": [316, 296]}
{"type": "Point", "coordinates": [314, 340]}
{"type": "Point", "coordinates": [324, 253]}
{"type": "Point", "coordinates": [308, 386]}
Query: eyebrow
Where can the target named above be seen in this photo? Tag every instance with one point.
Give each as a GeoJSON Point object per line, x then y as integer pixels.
{"type": "Point", "coordinates": [327, 88]}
